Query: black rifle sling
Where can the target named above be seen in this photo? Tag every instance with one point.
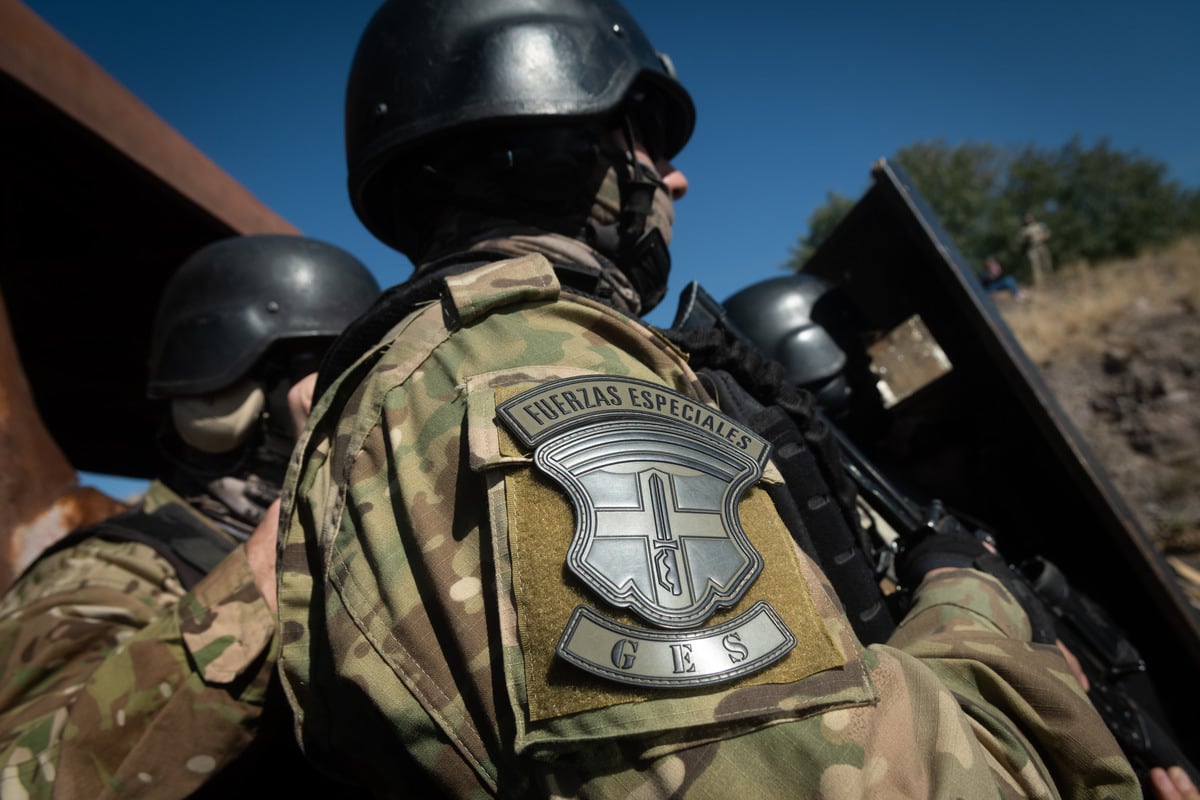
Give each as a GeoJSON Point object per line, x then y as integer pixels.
{"type": "Point", "coordinates": [818, 501]}
{"type": "Point", "coordinates": [737, 403]}
{"type": "Point", "coordinates": [810, 510]}
{"type": "Point", "coordinates": [190, 546]}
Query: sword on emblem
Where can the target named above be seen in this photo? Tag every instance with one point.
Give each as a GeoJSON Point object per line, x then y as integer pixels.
{"type": "Point", "coordinates": [666, 557]}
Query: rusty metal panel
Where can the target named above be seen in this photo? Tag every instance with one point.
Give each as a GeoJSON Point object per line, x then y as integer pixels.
{"type": "Point", "coordinates": [40, 499]}
{"type": "Point", "coordinates": [37, 57]}
{"type": "Point", "coordinates": [100, 201]}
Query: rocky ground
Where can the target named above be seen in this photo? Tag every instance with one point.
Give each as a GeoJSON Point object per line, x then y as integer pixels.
{"type": "Point", "coordinates": [1119, 344]}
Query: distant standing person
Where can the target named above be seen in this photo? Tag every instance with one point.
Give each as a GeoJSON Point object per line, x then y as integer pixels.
{"type": "Point", "coordinates": [1034, 236]}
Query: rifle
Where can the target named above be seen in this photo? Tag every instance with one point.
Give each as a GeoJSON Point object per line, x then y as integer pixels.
{"type": "Point", "coordinates": [1115, 670]}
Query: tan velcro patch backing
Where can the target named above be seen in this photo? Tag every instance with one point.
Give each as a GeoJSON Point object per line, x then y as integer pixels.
{"type": "Point", "coordinates": [541, 527]}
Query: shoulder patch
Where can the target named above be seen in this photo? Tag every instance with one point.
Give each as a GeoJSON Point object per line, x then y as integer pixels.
{"type": "Point", "coordinates": [655, 478]}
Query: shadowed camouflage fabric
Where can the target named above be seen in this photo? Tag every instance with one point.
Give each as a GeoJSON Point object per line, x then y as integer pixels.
{"type": "Point", "coordinates": [114, 682]}
{"type": "Point", "coordinates": [423, 585]}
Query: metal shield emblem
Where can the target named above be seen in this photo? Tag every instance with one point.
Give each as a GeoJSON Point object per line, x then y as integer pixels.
{"type": "Point", "coordinates": [655, 478]}
{"type": "Point", "coordinates": [657, 528]}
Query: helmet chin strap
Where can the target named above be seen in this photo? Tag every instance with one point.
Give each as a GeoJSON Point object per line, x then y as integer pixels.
{"type": "Point", "coordinates": [639, 253]}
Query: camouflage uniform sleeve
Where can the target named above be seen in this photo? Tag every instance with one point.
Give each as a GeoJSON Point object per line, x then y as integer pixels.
{"type": "Point", "coordinates": [104, 660]}
{"type": "Point", "coordinates": [972, 634]}
{"type": "Point", "coordinates": [421, 551]}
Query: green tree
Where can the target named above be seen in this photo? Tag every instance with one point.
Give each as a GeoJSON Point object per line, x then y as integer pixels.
{"type": "Point", "coordinates": [1114, 203]}
{"type": "Point", "coordinates": [1099, 202]}
{"type": "Point", "coordinates": [1191, 211]}
{"type": "Point", "coordinates": [963, 186]}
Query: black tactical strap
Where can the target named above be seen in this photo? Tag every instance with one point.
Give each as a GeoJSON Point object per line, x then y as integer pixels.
{"type": "Point", "coordinates": [810, 509]}
{"type": "Point", "coordinates": [190, 546]}
{"type": "Point", "coordinates": [822, 512]}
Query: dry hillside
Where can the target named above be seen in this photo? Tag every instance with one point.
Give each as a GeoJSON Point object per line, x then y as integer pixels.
{"type": "Point", "coordinates": [1119, 344]}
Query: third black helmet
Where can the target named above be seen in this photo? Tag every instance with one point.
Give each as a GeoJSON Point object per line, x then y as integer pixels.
{"type": "Point", "coordinates": [804, 323]}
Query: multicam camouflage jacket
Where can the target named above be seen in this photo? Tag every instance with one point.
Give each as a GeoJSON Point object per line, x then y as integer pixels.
{"type": "Point", "coordinates": [524, 555]}
{"type": "Point", "coordinates": [116, 682]}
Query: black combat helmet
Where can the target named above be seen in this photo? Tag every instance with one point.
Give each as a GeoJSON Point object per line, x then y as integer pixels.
{"type": "Point", "coordinates": [804, 323]}
{"type": "Point", "coordinates": [428, 72]}
{"type": "Point", "coordinates": [229, 302]}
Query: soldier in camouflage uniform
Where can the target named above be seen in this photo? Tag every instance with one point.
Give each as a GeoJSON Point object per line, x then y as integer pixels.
{"type": "Point", "coordinates": [136, 656]}
{"type": "Point", "coordinates": [523, 553]}
{"type": "Point", "coordinates": [1034, 237]}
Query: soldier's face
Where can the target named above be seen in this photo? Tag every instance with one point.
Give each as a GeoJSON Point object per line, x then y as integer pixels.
{"type": "Point", "coordinates": [675, 181]}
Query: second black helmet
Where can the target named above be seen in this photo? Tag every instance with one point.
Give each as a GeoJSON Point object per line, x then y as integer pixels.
{"type": "Point", "coordinates": [230, 301]}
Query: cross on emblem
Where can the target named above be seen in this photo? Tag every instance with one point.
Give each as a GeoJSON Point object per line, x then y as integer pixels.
{"type": "Point", "coordinates": [656, 527]}
{"type": "Point", "coordinates": [674, 538]}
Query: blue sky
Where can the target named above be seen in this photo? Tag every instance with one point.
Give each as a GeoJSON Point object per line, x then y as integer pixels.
{"type": "Point", "coordinates": [794, 100]}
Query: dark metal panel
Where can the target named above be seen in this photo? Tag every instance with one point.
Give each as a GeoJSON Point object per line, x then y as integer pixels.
{"type": "Point", "coordinates": [991, 440]}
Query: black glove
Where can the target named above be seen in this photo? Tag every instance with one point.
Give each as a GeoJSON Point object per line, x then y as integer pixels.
{"type": "Point", "coordinates": [957, 548]}
{"type": "Point", "coordinates": [937, 549]}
